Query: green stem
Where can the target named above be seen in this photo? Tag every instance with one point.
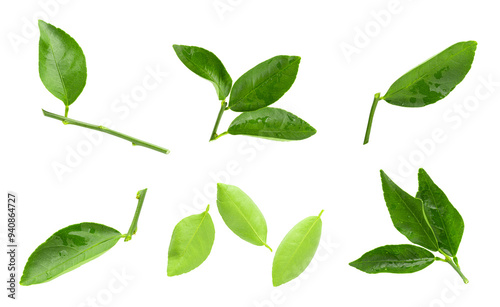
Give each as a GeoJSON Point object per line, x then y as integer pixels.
{"type": "Point", "coordinates": [69, 121]}
{"type": "Point", "coordinates": [370, 119]}
{"type": "Point", "coordinates": [214, 135]}
{"type": "Point", "coordinates": [439, 259]}
{"type": "Point", "coordinates": [265, 244]}
{"type": "Point", "coordinates": [66, 110]}
{"type": "Point", "coordinates": [218, 136]}
{"type": "Point", "coordinates": [133, 227]}
{"type": "Point", "coordinates": [319, 215]}
{"type": "Point", "coordinates": [457, 269]}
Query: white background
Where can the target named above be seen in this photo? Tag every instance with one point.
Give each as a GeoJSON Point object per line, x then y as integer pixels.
{"type": "Point", "coordinates": [289, 181]}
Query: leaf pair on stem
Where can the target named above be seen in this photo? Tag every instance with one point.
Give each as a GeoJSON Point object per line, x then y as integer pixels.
{"type": "Point", "coordinates": [73, 246]}
{"type": "Point", "coordinates": [193, 236]}
{"type": "Point", "coordinates": [251, 94]}
{"type": "Point", "coordinates": [428, 220]}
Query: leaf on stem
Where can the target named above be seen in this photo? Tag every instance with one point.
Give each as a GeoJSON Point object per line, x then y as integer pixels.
{"type": "Point", "coordinates": [296, 250]}
{"type": "Point", "coordinates": [271, 123]}
{"type": "Point", "coordinates": [66, 250]}
{"type": "Point", "coordinates": [434, 79]}
{"type": "Point", "coordinates": [61, 64]}
{"type": "Point", "coordinates": [206, 65]}
{"type": "Point", "coordinates": [404, 258]}
{"type": "Point", "coordinates": [191, 243]}
{"type": "Point", "coordinates": [444, 219]}
{"type": "Point", "coordinates": [407, 214]}
{"type": "Point", "coordinates": [264, 84]}
{"type": "Point", "coordinates": [241, 214]}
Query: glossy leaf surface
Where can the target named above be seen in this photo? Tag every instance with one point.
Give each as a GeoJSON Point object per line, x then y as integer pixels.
{"type": "Point", "coordinates": [407, 214]}
{"type": "Point", "coordinates": [191, 243]}
{"type": "Point", "coordinates": [206, 65]}
{"type": "Point", "coordinates": [264, 84]}
{"type": "Point", "coordinates": [241, 214]}
{"type": "Point", "coordinates": [444, 219]}
{"type": "Point", "coordinates": [403, 258]}
{"type": "Point", "coordinates": [61, 65]}
{"type": "Point", "coordinates": [271, 123]}
{"type": "Point", "coordinates": [434, 79]}
{"type": "Point", "coordinates": [66, 250]}
{"type": "Point", "coordinates": [296, 250]}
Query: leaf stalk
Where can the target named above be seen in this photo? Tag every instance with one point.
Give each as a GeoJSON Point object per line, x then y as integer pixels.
{"type": "Point", "coordinates": [141, 195]}
{"type": "Point", "coordinates": [376, 99]}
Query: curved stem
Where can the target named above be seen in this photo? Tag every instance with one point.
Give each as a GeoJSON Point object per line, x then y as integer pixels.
{"type": "Point", "coordinates": [370, 119]}
{"type": "Point", "coordinates": [66, 110]}
{"type": "Point", "coordinates": [265, 244]}
{"type": "Point", "coordinates": [133, 227]}
{"type": "Point", "coordinates": [69, 121]}
{"type": "Point", "coordinates": [218, 136]}
{"type": "Point", "coordinates": [214, 135]}
{"type": "Point", "coordinates": [457, 269]}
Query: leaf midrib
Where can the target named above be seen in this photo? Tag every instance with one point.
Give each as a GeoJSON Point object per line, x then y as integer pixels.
{"type": "Point", "coordinates": [245, 218]}
{"type": "Point", "coordinates": [419, 223]}
{"type": "Point", "coordinates": [441, 219]}
{"type": "Point", "coordinates": [396, 261]}
{"type": "Point", "coordinates": [302, 241]}
{"type": "Point", "coordinates": [192, 237]}
{"type": "Point", "coordinates": [58, 70]}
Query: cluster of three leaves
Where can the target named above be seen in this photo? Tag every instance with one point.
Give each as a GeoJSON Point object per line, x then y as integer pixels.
{"type": "Point", "coordinates": [251, 94]}
{"type": "Point", "coordinates": [193, 237]}
{"type": "Point", "coordinates": [428, 220]}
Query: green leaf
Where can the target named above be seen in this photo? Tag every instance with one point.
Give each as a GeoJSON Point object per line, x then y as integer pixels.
{"type": "Point", "coordinates": [206, 65]}
{"type": "Point", "coordinates": [444, 219]}
{"type": "Point", "coordinates": [241, 214]}
{"type": "Point", "coordinates": [296, 250]}
{"type": "Point", "coordinates": [66, 250]}
{"type": "Point", "coordinates": [403, 258]}
{"type": "Point", "coordinates": [434, 79]}
{"type": "Point", "coordinates": [264, 84]}
{"type": "Point", "coordinates": [61, 64]}
{"type": "Point", "coordinates": [271, 123]}
{"type": "Point", "coordinates": [191, 243]}
{"type": "Point", "coordinates": [407, 214]}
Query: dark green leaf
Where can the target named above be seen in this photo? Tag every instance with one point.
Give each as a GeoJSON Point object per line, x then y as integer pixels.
{"type": "Point", "coordinates": [191, 243]}
{"type": "Point", "coordinates": [433, 79]}
{"type": "Point", "coordinates": [61, 64]}
{"type": "Point", "coordinates": [264, 84]}
{"type": "Point", "coordinates": [206, 65]}
{"type": "Point", "coordinates": [407, 214]}
{"type": "Point", "coordinates": [271, 123]}
{"type": "Point", "coordinates": [446, 222]}
{"type": "Point", "coordinates": [403, 258]}
{"type": "Point", "coordinates": [241, 214]}
{"type": "Point", "coordinates": [68, 249]}
{"type": "Point", "coordinates": [296, 250]}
